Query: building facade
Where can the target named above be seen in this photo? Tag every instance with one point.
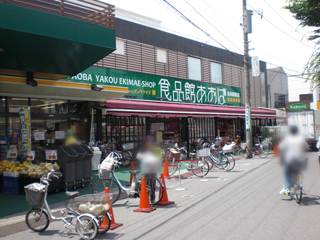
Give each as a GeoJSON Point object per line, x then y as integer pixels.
{"type": "Point", "coordinates": [179, 89]}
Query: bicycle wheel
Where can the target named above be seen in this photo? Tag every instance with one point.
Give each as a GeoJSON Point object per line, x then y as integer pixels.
{"type": "Point", "coordinates": [297, 191]}
{"type": "Point", "coordinates": [210, 162]}
{"type": "Point", "coordinates": [263, 151]}
{"type": "Point", "coordinates": [222, 163]}
{"type": "Point", "coordinates": [172, 170]}
{"type": "Point", "coordinates": [113, 186]}
{"type": "Point", "coordinates": [86, 227]}
{"type": "Point", "coordinates": [37, 220]}
{"type": "Point", "coordinates": [203, 168]}
{"type": "Point", "coordinates": [102, 230]}
{"type": "Point", "coordinates": [242, 153]}
{"type": "Point", "coordinates": [219, 159]}
{"type": "Point", "coordinates": [154, 189]}
{"type": "Point", "coordinates": [231, 162]}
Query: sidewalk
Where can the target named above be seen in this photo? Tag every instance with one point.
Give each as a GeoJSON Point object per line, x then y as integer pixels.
{"type": "Point", "coordinates": [124, 213]}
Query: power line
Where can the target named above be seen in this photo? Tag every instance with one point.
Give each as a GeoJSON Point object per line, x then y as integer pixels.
{"type": "Point", "coordinates": [279, 58]}
{"type": "Point", "coordinates": [281, 29]}
{"type": "Point", "coordinates": [195, 25]}
{"type": "Point", "coordinates": [283, 18]}
{"type": "Point", "coordinates": [212, 25]}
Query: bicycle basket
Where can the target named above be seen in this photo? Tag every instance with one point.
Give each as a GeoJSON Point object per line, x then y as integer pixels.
{"type": "Point", "coordinates": [35, 193]}
{"type": "Point", "coordinates": [103, 173]}
{"type": "Point", "coordinates": [95, 204]}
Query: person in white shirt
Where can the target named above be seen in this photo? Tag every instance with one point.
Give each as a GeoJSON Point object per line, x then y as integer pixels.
{"type": "Point", "coordinates": [292, 148]}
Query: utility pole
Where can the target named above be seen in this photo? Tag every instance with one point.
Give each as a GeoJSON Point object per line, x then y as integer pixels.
{"type": "Point", "coordinates": [247, 29]}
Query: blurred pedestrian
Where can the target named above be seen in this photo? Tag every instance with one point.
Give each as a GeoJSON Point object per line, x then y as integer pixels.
{"type": "Point", "coordinates": [70, 139]}
{"type": "Point", "coordinates": [292, 149]}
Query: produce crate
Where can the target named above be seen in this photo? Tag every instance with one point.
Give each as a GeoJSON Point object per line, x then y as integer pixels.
{"type": "Point", "coordinates": [10, 185]}
{"type": "Point", "coordinates": [78, 165]}
{"type": "Point", "coordinates": [87, 165]}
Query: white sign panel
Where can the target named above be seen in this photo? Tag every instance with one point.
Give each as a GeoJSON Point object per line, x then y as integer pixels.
{"type": "Point", "coordinates": [12, 153]}
{"type": "Point", "coordinates": [255, 66]}
{"type": "Point", "coordinates": [38, 136]}
{"type": "Point", "coordinates": [51, 155]}
{"type": "Point", "coordinates": [31, 155]}
{"type": "Point", "coordinates": [59, 135]}
{"type": "Point", "coordinates": [248, 118]}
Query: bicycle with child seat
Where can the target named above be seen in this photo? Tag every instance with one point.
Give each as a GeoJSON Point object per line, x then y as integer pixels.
{"type": "Point", "coordinates": [38, 218]}
{"type": "Point", "coordinates": [199, 168]}
{"type": "Point", "coordinates": [109, 179]}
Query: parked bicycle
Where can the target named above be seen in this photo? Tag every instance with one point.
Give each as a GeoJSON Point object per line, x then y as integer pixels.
{"type": "Point", "coordinates": [108, 178]}
{"type": "Point", "coordinates": [261, 149]}
{"type": "Point", "coordinates": [221, 159]}
{"type": "Point", "coordinates": [199, 168]}
{"type": "Point", "coordinates": [38, 218]}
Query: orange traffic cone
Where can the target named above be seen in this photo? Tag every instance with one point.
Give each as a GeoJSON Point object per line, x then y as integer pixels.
{"type": "Point", "coordinates": [113, 225]}
{"type": "Point", "coordinates": [275, 151]}
{"type": "Point", "coordinates": [132, 168]}
{"type": "Point", "coordinates": [166, 169]}
{"type": "Point", "coordinates": [164, 201]}
{"type": "Point", "coordinates": [144, 199]}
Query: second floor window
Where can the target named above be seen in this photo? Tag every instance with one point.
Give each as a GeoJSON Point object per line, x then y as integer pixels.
{"type": "Point", "coordinates": [194, 68]}
{"type": "Point", "coordinates": [216, 73]}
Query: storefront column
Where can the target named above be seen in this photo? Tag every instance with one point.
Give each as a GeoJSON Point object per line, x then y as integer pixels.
{"type": "Point", "coordinates": [148, 126]}
{"type": "Point", "coordinates": [99, 124]}
{"type": "Point", "coordinates": [215, 127]}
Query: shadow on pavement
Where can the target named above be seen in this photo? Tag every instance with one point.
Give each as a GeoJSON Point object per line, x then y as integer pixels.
{"type": "Point", "coordinates": [310, 200]}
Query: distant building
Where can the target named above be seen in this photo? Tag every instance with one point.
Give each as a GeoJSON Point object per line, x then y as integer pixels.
{"type": "Point", "coordinates": [277, 87]}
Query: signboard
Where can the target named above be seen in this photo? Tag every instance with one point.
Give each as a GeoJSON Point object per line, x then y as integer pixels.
{"type": "Point", "coordinates": [31, 155]}
{"type": "Point", "coordinates": [24, 116]}
{"type": "Point", "coordinates": [12, 153]}
{"type": "Point", "coordinates": [59, 135]}
{"type": "Point", "coordinates": [158, 88]}
{"type": "Point", "coordinates": [38, 136]}
{"type": "Point", "coordinates": [248, 118]}
{"type": "Point", "coordinates": [317, 127]}
{"type": "Point", "coordinates": [51, 155]}
{"type": "Point", "coordinates": [297, 106]}
{"type": "Point", "coordinates": [255, 65]}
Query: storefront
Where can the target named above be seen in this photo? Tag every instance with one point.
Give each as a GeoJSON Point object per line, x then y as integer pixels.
{"type": "Point", "coordinates": [55, 106]}
{"type": "Point", "coordinates": [170, 109]}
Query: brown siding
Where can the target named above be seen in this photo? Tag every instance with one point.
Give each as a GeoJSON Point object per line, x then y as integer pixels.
{"type": "Point", "coordinates": [205, 70]}
{"type": "Point", "coordinates": [148, 59]}
{"type": "Point", "coordinates": [182, 66]}
{"type": "Point", "coordinates": [226, 75]}
{"type": "Point", "coordinates": [236, 76]}
{"type": "Point", "coordinates": [172, 64]}
{"type": "Point", "coordinates": [134, 57]}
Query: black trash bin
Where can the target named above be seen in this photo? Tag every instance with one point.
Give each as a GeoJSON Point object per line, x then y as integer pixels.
{"type": "Point", "coordinates": [87, 164]}
{"type": "Point", "coordinates": [79, 178]}
{"type": "Point", "coordinates": [66, 160]}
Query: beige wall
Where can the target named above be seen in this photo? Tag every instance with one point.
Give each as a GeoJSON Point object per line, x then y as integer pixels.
{"type": "Point", "coordinates": [142, 58]}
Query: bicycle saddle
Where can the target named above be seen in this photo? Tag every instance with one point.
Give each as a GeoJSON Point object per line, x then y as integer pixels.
{"type": "Point", "coordinates": [134, 172]}
{"type": "Point", "coordinates": [192, 154]}
{"type": "Point", "coordinates": [71, 195]}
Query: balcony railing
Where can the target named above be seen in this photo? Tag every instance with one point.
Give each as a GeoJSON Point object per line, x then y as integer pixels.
{"type": "Point", "coordinates": [86, 10]}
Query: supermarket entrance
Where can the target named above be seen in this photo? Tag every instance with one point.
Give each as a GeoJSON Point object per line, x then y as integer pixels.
{"type": "Point", "coordinates": [173, 129]}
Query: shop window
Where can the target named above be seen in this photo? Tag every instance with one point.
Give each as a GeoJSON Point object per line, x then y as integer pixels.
{"type": "Point", "coordinates": [79, 107]}
{"type": "Point", "coordinates": [120, 47]}
{"type": "Point", "coordinates": [194, 68]}
{"type": "Point", "coordinates": [16, 103]}
{"type": "Point", "coordinates": [2, 104]}
{"type": "Point", "coordinates": [216, 73]}
{"type": "Point", "coordinates": [161, 55]}
{"type": "Point", "coordinates": [49, 106]}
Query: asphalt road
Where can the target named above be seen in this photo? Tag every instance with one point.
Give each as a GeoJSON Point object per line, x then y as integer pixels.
{"type": "Point", "coordinates": [242, 204]}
